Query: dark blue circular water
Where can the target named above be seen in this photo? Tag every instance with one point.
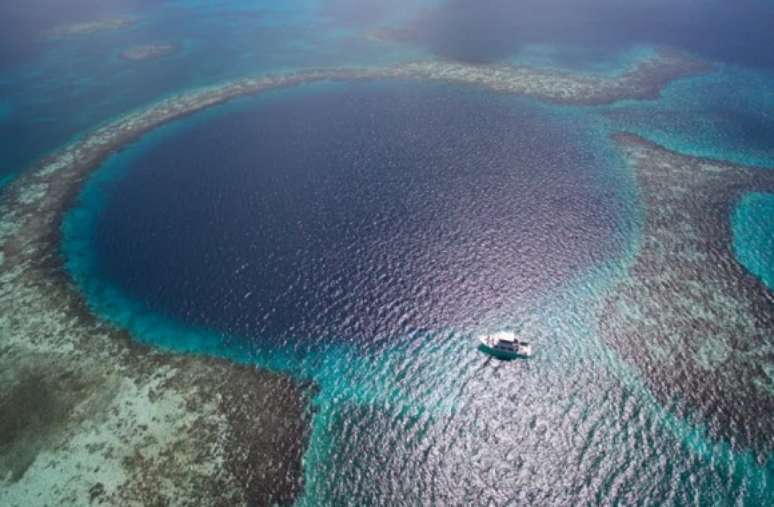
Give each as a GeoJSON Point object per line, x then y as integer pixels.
{"type": "Point", "coordinates": [334, 218]}
{"type": "Point", "coordinates": [364, 212]}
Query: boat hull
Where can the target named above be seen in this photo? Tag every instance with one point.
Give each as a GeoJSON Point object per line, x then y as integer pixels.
{"type": "Point", "coordinates": [502, 354]}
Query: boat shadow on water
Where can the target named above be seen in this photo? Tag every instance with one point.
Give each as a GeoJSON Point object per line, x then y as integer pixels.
{"type": "Point", "coordinates": [493, 356]}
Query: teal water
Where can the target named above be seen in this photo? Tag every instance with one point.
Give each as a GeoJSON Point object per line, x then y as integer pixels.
{"type": "Point", "coordinates": [427, 397]}
{"type": "Point", "coordinates": [753, 226]}
{"type": "Point", "coordinates": [571, 57]}
{"type": "Point", "coordinates": [416, 419]}
{"type": "Point", "coordinates": [729, 120]}
{"type": "Point", "coordinates": [66, 86]}
{"type": "Point", "coordinates": [5, 111]}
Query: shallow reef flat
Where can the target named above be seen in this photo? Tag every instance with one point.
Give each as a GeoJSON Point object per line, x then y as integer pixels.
{"type": "Point", "coordinates": [148, 51]}
{"type": "Point", "coordinates": [87, 414]}
{"type": "Point", "coordinates": [688, 315]}
{"type": "Point", "coordinates": [91, 27]}
{"type": "Point", "coordinates": [644, 80]}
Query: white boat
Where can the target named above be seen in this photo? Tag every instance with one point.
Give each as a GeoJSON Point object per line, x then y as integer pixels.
{"type": "Point", "coordinates": [505, 344]}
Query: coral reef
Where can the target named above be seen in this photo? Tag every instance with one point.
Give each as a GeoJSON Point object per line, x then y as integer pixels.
{"type": "Point", "coordinates": [688, 315]}
{"type": "Point", "coordinates": [87, 414]}
{"type": "Point", "coordinates": [643, 81]}
{"type": "Point", "coordinates": [91, 27]}
{"type": "Point", "coordinates": [148, 51]}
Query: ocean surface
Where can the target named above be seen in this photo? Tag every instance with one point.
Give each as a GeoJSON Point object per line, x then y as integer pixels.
{"type": "Point", "coordinates": [359, 235]}
{"type": "Point", "coordinates": [359, 212]}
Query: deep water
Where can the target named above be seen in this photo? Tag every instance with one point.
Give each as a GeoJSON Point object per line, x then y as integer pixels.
{"type": "Point", "coordinates": [362, 213]}
{"type": "Point", "coordinates": [360, 234]}
{"type": "Point", "coordinates": [493, 30]}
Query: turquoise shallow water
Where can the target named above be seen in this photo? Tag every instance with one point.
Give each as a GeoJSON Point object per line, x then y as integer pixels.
{"type": "Point", "coordinates": [417, 418]}
{"type": "Point", "coordinates": [423, 417]}
{"type": "Point", "coordinates": [5, 111]}
{"type": "Point", "coordinates": [70, 85]}
{"type": "Point", "coordinates": [604, 61]}
{"type": "Point", "coordinates": [753, 224]}
{"type": "Point", "coordinates": [729, 120]}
